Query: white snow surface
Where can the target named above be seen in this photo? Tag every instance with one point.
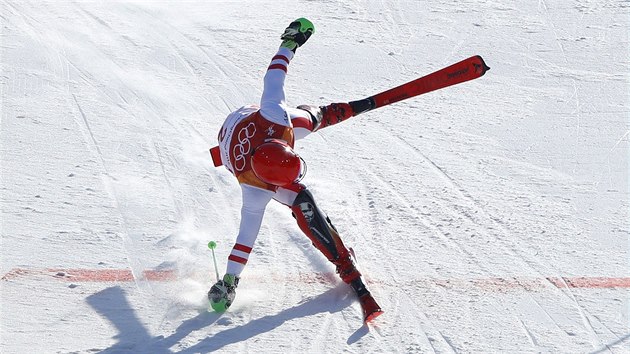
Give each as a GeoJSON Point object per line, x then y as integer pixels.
{"type": "Point", "coordinates": [109, 109]}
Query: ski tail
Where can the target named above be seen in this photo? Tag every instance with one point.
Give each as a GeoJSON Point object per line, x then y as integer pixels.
{"type": "Point", "coordinates": [369, 306]}
{"type": "Point", "coordinates": [465, 70]}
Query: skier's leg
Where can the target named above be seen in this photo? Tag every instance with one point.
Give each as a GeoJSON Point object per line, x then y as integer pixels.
{"type": "Point", "coordinates": [324, 116]}
{"type": "Point", "coordinates": [317, 226]}
{"type": "Point", "coordinates": [286, 195]}
{"type": "Point", "coordinates": [302, 121]}
{"type": "Point", "coordinates": [307, 119]}
{"type": "Point", "coordinates": [319, 229]}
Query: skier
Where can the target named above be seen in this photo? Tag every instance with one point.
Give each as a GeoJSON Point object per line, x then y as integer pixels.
{"type": "Point", "coordinates": [256, 145]}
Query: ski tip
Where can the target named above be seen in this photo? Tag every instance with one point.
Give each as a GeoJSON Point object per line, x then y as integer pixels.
{"type": "Point", "coordinates": [481, 67]}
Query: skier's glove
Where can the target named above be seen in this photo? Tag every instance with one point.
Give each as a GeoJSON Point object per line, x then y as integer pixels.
{"type": "Point", "coordinates": [298, 32]}
{"type": "Point", "coordinates": [223, 292]}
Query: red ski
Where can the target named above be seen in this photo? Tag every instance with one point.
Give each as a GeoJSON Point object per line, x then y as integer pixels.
{"type": "Point", "coordinates": [370, 308]}
{"type": "Point", "coordinates": [465, 70]}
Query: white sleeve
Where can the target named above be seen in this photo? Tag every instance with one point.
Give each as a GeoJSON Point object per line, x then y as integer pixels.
{"type": "Point", "coordinates": [272, 102]}
{"type": "Point", "coordinates": [255, 201]}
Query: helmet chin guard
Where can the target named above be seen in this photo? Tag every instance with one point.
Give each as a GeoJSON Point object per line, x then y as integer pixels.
{"type": "Point", "coordinates": [274, 162]}
{"type": "Point", "coordinates": [303, 169]}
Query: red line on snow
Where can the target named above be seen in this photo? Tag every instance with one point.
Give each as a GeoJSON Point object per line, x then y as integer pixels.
{"type": "Point", "coordinates": [591, 282]}
{"type": "Point", "coordinates": [497, 283]}
{"type": "Point", "coordinates": [530, 283]}
{"type": "Point", "coordinates": [91, 275]}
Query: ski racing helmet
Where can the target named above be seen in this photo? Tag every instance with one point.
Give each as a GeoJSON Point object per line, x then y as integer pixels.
{"type": "Point", "coordinates": [276, 163]}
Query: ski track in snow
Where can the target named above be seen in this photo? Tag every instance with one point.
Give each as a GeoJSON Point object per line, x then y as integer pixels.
{"type": "Point", "coordinates": [473, 210]}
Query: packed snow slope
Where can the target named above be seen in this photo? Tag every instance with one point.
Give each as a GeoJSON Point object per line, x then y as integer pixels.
{"type": "Point", "coordinates": [492, 216]}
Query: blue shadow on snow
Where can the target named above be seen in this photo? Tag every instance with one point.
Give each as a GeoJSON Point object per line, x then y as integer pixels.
{"type": "Point", "coordinates": [133, 337]}
{"type": "Point", "coordinates": [326, 302]}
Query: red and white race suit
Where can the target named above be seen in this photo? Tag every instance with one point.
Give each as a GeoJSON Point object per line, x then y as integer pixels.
{"type": "Point", "coordinates": [244, 130]}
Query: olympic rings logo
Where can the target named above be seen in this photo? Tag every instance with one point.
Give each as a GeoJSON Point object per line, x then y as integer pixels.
{"type": "Point", "coordinates": [244, 146]}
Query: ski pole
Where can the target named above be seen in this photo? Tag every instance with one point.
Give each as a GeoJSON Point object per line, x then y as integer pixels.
{"type": "Point", "coordinates": [212, 245]}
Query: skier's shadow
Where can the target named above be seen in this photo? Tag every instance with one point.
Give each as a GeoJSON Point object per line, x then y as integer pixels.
{"type": "Point", "coordinates": [333, 300]}
{"type": "Point", "coordinates": [133, 337]}
{"type": "Point", "coordinates": [112, 304]}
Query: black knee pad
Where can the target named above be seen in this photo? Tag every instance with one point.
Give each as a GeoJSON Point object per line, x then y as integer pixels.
{"type": "Point", "coordinates": [318, 223]}
{"type": "Point", "coordinates": [315, 113]}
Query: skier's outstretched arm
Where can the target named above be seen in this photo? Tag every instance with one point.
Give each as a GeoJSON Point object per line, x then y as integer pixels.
{"type": "Point", "coordinates": [255, 201]}
{"type": "Point", "coordinates": [272, 103]}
